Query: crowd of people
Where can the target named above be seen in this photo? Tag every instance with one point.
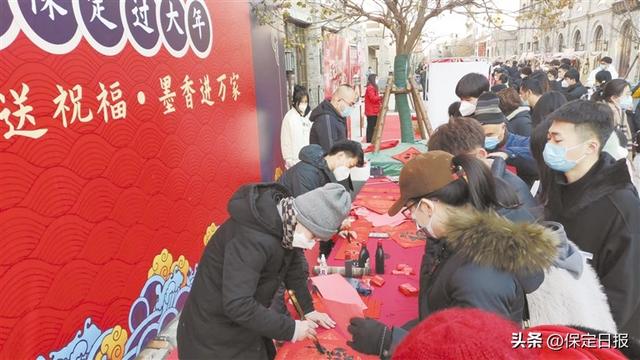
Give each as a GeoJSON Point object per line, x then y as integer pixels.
{"type": "Point", "coordinates": [528, 197]}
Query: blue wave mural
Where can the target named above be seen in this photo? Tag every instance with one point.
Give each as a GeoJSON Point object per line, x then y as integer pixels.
{"type": "Point", "coordinates": [161, 300]}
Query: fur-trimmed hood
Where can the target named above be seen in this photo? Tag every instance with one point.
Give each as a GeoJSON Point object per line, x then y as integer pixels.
{"type": "Point", "coordinates": [488, 239]}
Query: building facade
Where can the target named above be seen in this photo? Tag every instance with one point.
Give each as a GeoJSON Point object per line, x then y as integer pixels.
{"type": "Point", "coordinates": [587, 31]}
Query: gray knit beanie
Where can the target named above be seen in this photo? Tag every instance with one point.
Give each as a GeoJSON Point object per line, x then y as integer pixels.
{"type": "Point", "coordinates": [323, 210]}
{"type": "Point", "coordinates": [488, 110]}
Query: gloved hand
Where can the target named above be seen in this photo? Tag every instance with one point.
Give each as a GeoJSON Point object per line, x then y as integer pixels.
{"type": "Point", "coordinates": [305, 329]}
{"type": "Point", "coordinates": [321, 319]}
{"type": "Point", "coordinates": [369, 336]}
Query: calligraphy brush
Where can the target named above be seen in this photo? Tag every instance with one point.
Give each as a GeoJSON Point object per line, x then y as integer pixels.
{"type": "Point", "coordinates": [296, 304]}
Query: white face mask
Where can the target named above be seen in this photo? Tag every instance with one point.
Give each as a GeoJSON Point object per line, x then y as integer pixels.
{"type": "Point", "coordinates": [565, 83]}
{"type": "Point", "coordinates": [429, 228]}
{"type": "Point", "coordinates": [301, 241]}
{"type": "Point", "coordinates": [302, 107]}
{"type": "Point", "coordinates": [467, 108]}
{"type": "Point", "coordinates": [341, 173]}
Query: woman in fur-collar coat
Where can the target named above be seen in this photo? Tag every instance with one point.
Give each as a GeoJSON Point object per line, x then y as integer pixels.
{"type": "Point", "coordinates": [473, 258]}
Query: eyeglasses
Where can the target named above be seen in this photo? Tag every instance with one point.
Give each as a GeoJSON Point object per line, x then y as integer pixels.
{"type": "Point", "coordinates": [407, 210]}
{"type": "Point", "coordinates": [351, 104]}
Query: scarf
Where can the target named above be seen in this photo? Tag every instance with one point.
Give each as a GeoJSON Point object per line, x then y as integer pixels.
{"type": "Point", "coordinates": [289, 222]}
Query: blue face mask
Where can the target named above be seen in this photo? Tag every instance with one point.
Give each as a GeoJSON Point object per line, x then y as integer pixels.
{"type": "Point", "coordinates": [555, 156]}
{"type": "Point", "coordinates": [346, 112]}
{"type": "Point", "coordinates": [491, 142]}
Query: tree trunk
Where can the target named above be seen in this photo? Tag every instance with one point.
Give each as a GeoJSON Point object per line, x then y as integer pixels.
{"type": "Point", "coordinates": [400, 73]}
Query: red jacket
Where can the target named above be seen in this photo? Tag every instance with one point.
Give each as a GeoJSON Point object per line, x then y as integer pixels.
{"type": "Point", "coordinates": [372, 101]}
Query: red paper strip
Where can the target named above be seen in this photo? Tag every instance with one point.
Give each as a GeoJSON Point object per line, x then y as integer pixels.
{"type": "Point", "coordinates": [387, 144]}
{"type": "Point", "coordinates": [342, 313]}
{"type": "Point", "coordinates": [407, 155]}
{"type": "Point", "coordinates": [408, 290]}
{"type": "Point", "coordinates": [374, 308]}
{"type": "Point", "coordinates": [405, 235]}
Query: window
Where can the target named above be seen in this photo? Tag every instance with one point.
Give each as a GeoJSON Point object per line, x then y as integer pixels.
{"type": "Point", "coordinates": [528, 46]}
{"type": "Point", "coordinates": [536, 46]}
{"type": "Point", "coordinates": [521, 47]}
{"type": "Point", "coordinates": [296, 37]}
{"type": "Point", "coordinates": [577, 41]}
{"type": "Point", "coordinates": [625, 49]}
{"type": "Point", "coordinates": [599, 39]}
{"type": "Point", "coordinates": [560, 43]}
{"type": "Point", "coordinates": [547, 44]}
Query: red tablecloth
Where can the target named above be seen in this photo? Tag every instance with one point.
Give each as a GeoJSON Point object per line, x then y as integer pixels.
{"type": "Point", "coordinates": [396, 308]}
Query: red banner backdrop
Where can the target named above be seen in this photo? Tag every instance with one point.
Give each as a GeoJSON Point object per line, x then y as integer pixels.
{"type": "Point", "coordinates": [341, 62]}
{"type": "Point", "coordinates": [113, 167]}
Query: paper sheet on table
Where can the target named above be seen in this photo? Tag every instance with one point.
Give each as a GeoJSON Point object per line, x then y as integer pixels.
{"type": "Point", "coordinates": [405, 235]}
{"type": "Point", "coordinates": [342, 313]}
{"type": "Point", "coordinates": [378, 220]}
{"type": "Point", "coordinates": [378, 195]}
{"type": "Point", "coordinates": [335, 288]}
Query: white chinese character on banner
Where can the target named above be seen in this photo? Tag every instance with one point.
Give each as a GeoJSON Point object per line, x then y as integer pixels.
{"type": "Point", "coordinates": [222, 89]}
{"type": "Point", "coordinates": [75, 94]}
{"type": "Point", "coordinates": [119, 109]}
{"type": "Point", "coordinates": [205, 90]}
{"type": "Point", "coordinates": [23, 113]}
{"type": "Point", "coordinates": [97, 14]}
{"type": "Point", "coordinates": [77, 107]}
{"type": "Point", "coordinates": [188, 91]}
{"type": "Point", "coordinates": [142, 19]}
{"type": "Point", "coordinates": [62, 108]}
{"type": "Point", "coordinates": [198, 24]}
{"type": "Point", "coordinates": [173, 15]}
{"type": "Point", "coordinates": [49, 5]}
{"type": "Point", "coordinates": [234, 86]}
{"type": "Point", "coordinates": [169, 96]}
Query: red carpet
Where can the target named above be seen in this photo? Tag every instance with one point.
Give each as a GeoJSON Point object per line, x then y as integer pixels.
{"type": "Point", "coordinates": [392, 128]}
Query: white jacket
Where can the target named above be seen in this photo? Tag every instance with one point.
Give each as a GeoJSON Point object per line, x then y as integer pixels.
{"type": "Point", "coordinates": [294, 135]}
{"type": "Point", "coordinates": [571, 293]}
{"type": "Point", "coordinates": [591, 80]}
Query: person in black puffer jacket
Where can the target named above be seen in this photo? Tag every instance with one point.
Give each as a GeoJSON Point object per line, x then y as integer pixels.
{"type": "Point", "coordinates": [329, 119]}
{"type": "Point", "coordinates": [318, 167]}
{"type": "Point", "coordinates": [227, 313]}
{"type": "Point", "coordinates": [592, 195]}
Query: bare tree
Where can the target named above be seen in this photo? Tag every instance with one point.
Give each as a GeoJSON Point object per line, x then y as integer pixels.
{"type": "Point", "coordinates": [544, 15]}
{"type": "Point", "coordinates": [405, 19]}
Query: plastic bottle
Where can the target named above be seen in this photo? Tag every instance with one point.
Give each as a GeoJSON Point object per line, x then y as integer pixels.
{"type": "Point", "coordinates": [379, 259]}
{"type": "Point", "coordinates": [324, 268]}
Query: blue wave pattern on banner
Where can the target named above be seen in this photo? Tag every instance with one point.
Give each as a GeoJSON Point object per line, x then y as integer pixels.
{"type": "Point", "coordinates": [159, 303]}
